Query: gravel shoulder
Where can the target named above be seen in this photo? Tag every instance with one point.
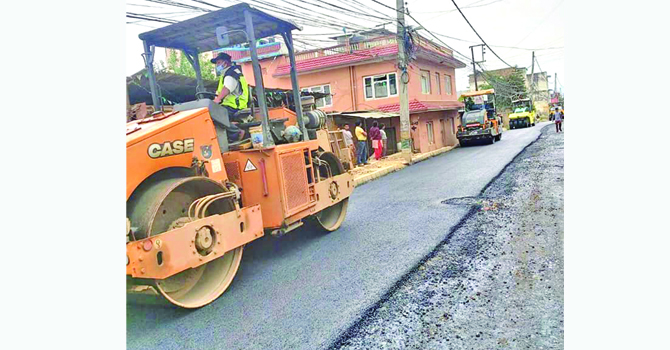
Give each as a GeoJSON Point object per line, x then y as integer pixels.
{"type": "Point", "coordinates": [496, 281]}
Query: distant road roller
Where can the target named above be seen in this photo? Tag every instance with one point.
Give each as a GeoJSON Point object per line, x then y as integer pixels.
{"type": "Point", "coordinates": [193, 202]}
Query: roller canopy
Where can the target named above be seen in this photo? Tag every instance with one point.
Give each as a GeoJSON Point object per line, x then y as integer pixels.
{"type": "Point", "coordinates": [199, 34]}
{"type": "Point", "coordinates": [478, 93]}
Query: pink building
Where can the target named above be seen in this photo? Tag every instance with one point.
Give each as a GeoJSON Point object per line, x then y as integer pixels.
{"type": "Point", "coordinates": [360, 73]}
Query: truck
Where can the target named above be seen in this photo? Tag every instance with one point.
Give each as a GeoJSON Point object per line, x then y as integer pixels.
{"type": "Point", "coordinates": [479, 121]}
{"type": "Point", "coordinates": [193, 201]}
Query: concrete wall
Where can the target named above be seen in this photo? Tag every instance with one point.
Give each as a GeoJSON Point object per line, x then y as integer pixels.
{"type": "Point", "coordinates": [444, 124]}
{"type": "Point", "coordinates": [351, 97]}
{"type": "Point", "coordinates": [268, 66]}
{"type": "Point", "coordinates": [415, 82]}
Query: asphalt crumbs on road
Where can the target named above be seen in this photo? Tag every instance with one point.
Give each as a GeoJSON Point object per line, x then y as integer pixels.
{"type": "Point", "coordinates": [304, 290]}
{"type": "Point", "coordinates": [497, 281]}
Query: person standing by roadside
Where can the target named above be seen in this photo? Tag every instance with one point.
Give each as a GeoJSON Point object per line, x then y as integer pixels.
{"type": "Point", "coordinates": [376, 138]}
{"type": "Point", "coordinates": [349, 142]}
{"type": "Point", "coordinates": [558, 119]}
{"type": "Point", "coordinates": [384, 139]}
{"type": "Point", "coordinates": [362, 149]}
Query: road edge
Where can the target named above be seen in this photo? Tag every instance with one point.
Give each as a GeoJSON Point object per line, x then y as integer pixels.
{"type": "Point", "coordinates": [393, 168]}
{"type": "Point", "coordinates": [349, 331]}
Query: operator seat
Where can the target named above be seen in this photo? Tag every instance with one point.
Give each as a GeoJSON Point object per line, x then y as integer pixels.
{"type": "Point", "coordinates": [219, 116]}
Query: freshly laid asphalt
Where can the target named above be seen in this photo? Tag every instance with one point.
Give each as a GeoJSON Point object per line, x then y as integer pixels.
{"type": "Point", "coordinates": [303, 290]}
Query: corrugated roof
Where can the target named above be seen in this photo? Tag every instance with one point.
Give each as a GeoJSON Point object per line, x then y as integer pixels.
{"type": "Point", "coordinates": [423, 106]}
{"type": "Point", "coordinates": [370, 114]}
{"type": "Point", "coordinates": [199, 33]}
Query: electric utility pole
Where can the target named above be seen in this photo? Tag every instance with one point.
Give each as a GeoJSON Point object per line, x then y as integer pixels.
{"type": "Point", "coordinates": [404, 78]}
{"type": "Point", "coordinates": [532, 81]}
{"type": "Point", "coordinates": [555, 79]}
{"type": "Point", "coordinates": [474, 66]}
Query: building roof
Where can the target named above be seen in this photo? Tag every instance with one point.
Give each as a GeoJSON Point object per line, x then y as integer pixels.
{"type": "Point", "coordinates": [423, 106]}
{"type": "Point", "coordinates": [340, 60]}
{"type": "Point", "coordinates": [379, 49]}
{"type": "Point", "coordinates": [369, 114]}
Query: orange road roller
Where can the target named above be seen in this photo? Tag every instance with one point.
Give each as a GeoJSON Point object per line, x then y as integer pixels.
{"type": "Point", "coordinates": [194, 199]}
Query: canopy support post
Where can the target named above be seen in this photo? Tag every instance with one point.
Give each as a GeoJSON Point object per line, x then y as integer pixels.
{"type": "Point", "coordinates": [258, 78]}
{"type": "Point", "coordinates": [149, 64]}
{"type": "Point", "coordinates": [288, 39]}
{"type": "Point", "coordinates": [195, 62]}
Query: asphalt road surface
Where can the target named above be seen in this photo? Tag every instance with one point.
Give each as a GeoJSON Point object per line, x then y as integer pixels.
{"type": "Point", "coordinates": [497, 281]}
{"type": "Point", "coordinates": [304, 290]}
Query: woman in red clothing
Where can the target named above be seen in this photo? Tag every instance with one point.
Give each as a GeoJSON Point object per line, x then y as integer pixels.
{"type": "Point", "coordinates": [376, 138]}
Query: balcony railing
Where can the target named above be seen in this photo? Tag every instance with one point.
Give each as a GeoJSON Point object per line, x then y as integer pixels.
{"type": "Point", "coordinates": [430, 45]}
{"type": "Point", "coordinates": [239, 54]}
{"type": "Point", "coordinates": [345, 48]}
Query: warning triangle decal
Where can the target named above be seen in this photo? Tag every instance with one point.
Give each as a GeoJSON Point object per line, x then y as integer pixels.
{"type": "Point", "coordinates": [250, 166]}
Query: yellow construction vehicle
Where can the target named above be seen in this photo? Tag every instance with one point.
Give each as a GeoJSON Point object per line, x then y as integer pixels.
{"type": "Point", "coordinates": [523, 115]}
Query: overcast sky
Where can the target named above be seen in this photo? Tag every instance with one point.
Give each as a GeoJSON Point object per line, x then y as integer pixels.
{"type": "Point", "coordinates": [527, 24]}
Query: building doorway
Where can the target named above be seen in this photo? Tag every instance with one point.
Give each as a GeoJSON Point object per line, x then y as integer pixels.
{"type": "Point", "coordinates": [391, 140]}
{"type": "Point", "coordinates": [443, 127]}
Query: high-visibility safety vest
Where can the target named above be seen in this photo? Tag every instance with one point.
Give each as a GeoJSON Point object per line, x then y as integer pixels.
{"type": "Point", "coordinates": [232, 100]}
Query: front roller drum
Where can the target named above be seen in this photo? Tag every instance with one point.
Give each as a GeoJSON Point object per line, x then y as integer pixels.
{"type": "Point", "coordinates": [163, 205]}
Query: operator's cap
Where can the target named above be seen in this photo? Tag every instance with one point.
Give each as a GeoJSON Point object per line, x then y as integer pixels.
{"type": "Point", "coordinates": [221, 56]}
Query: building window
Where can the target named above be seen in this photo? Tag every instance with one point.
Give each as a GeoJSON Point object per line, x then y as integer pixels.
{"type": "Point", "coordinates": [439, 83]}
{"type": "Point", "coordinates": [447, 84]}
{"type": "Point", "coordinates": [425, 82]}
{"type": "Point", "coordinates": [380, 86]}
{"type": "Point", "coordinates": [431, 136]}
{"type": "Point", "coordinates": [323, 101]}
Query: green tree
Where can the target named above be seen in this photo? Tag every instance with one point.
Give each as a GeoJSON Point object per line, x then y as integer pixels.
{"type": "Point", "coordinates": [177, 63]}
{"type": "Point", "coordinates": [508, 88]}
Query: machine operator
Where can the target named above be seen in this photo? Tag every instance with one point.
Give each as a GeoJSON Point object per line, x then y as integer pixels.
{"type": "Point", "coordinates": [232, 93]}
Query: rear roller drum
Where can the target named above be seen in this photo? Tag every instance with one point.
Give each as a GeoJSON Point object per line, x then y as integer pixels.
{"type": "Point", "coordinates": [163, 205]}
{"type": "Point", "coordinates": [332, 217]}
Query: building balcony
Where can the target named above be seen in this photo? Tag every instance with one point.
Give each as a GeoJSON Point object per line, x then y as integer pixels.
{"type": "Point", "coordinates": [362, 52]}
{"type": "Point", "coordinates": [243, 54]}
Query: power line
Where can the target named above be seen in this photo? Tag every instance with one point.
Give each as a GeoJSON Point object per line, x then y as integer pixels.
{"type": "Point", "coordinates": [372, 9]}
{"type": "Point", "coordinates": [303, 18]}
{"type": "Point", "coordinates": [340, 9]}
{"type": "Point", "coordinates": [469, 6]}
{"type": "Point", "coordinates": [178, 4]}
{"type": "Point", "coordinates": [542, 21]}
{"type": "Point", "coordinates": [480, 37]}
{"type": "Point", "coordinates": [438, 39]}
{"type": "Point", "coordinates": [538, 63]}
{"type": "Point", "coordinates": [506, 47]}
{"type": "Point", "coordinates": [387, 6]}
{"type": "Point", "coordinates": [149, 18]}
{"type": "Point", "coordinates": [206, 3]}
